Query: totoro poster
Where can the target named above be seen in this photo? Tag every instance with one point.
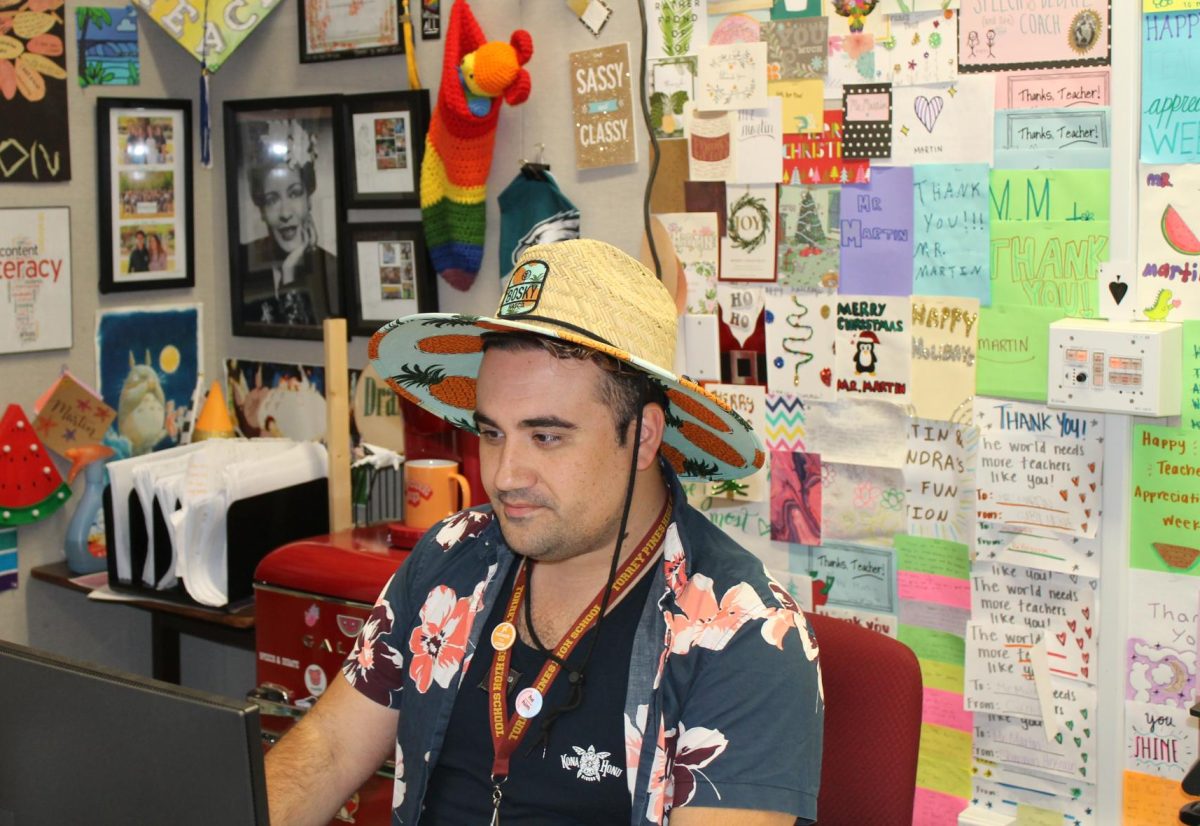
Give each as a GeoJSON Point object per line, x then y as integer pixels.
{"type": "Point", "coordinates": [147, 369]}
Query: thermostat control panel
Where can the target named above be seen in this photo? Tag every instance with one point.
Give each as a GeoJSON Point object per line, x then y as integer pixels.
{"type": "Point", "coordinates": [1115, 366]}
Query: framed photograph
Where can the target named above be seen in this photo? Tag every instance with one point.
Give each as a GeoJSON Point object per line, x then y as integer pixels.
{"type": "Point", "coordinates": [144, 166]}
{"type": "Point", "coordinates": [335, 29]}
{"type": "Point", "coordinates": [283, 194]}
{"type": "Point", "coordinates": [390, 275]}
{"type": "Point", "coordinates": [386, 133]}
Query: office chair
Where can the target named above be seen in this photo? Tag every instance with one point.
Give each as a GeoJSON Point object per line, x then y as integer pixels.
{"type": "Point", "coordinates": [872, 726]}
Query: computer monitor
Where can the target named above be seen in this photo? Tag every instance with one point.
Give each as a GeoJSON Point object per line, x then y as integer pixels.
{"type": "Point", "coordinates": [82, 744]}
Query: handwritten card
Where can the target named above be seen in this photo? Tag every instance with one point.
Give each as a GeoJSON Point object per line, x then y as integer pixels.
{"type": "Point", "coordinates": [857, 432]}
{"type": "Point", "coordinates": [71, 415]}
{"type": "Point", "coordinates": [877, 226]}
{"type": "Point", "coordinates": [796, 497]}
{"type": "Point", "coordinates": [1170, 64]}
{"type": "Point", "coordinates": [943, 123]}
{"type": "Point", "coordinates": [1159, 740]}
{"type": "Point", "coordinates": [797, 48]}
{"type": "Point", "coordinates": [944, 341]}
{"type": "Point", "coordinates": [867, 113]}
{"type": "Point", "coordinates": [1014, 347]}
{"type": "Point", "coordinates": [858, 576]}
{"type": "Point", "coordinates": [1032, 36]}
{"type": "Point", "coordinates": [750, 402]}
{"type": "Point", "coordinates": [1022, 742]}
{"type": "Point", "coordinates": [939, 478]}
{"type": "Point", "coordinates": [1062, 606]}
{"type": "Point", "coordinates": [732, 76]}
{"type": "Point", "coordinates": [1010, 791]}
{"type": "Point", "coordinates": [951, 232]}
{"type": "Point", "coordinates": [861, 503]}
{"type": "Point", "coordinates": [874, 347]}
{"type": "Point", "coordinates": [709, 137]}
{"type": "Point", "coordinates": [999, 672]}
{"type": "Point", "coordinates": [1168, 281]}
{"type": "Point", "coordinates": [1166, 473]}
{"type": "Point", "coordinates": [818, 158]}
{"type": "Point", "coordinates": [1072, 88]}
{"type": "Point", "coordinates": [1038, 548]}
{"type": "Point", "coordinates": [758, 144]}
{"type": "Point", "coordinates": [803, 105]}
{"type": "Point", "coordinates": [1149, 800]}
{"type": "Point", "coordinates": [672, 90]}
{"type": "Point", "coordinates": [1049, 195]}
{"type": "Point", "coordinates": [800, 332]}
{"type": "Point", "coordinates": [1190, 380]}
{"type": "Point", "coordinates": [748, 248]}
{"type": "Point", "coordinates": [694, 238]}
{"type": "Point", "coordinates": [934, 590]}
{"type": "Point", "coordinates": [1054, 138]}
{"type": "Point", "coordinates": [1039, 468]}
{"type": "Point", "coordinates": [1160, 652]}
{"type": "Point", "coordinates": [923, 49]}
{"type": "Point", "coordinates": [1049, 264]}
{"type": "Point", "coordinates": [786, 422]}
{"type": "Point", "coordinates": [808, 250]}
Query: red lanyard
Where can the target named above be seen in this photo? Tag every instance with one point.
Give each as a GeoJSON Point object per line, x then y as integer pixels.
{"type": "Point", "coordinates": [507, 733]}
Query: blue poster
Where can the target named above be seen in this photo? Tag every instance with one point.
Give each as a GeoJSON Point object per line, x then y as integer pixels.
{"type": "Point", "coordinates": [1170, 106]}
{"type": "Point", "coordinates": [148, 364]}
{"type": "Point", "coordinates": [951, 231]}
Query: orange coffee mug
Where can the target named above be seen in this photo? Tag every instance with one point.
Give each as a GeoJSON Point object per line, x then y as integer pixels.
{"type": "Point", "coordinates": [431, 491]}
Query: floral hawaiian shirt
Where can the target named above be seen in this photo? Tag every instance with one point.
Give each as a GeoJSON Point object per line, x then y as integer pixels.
{"type": "Point", "coordinates": [724, 705]}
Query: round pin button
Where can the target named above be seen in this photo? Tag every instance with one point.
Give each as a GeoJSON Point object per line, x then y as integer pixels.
{"type": "Point", "coordinates": [528, 702]}
{"type": "Point", "coordinates": [503, 636]}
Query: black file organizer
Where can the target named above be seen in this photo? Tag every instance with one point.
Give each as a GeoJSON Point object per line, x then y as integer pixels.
{"type": "Point", "coordinates": [254, 527]}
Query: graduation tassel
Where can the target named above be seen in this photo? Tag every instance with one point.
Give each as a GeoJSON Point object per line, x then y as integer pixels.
{"type": "Point", "coordinates": [205, 121]}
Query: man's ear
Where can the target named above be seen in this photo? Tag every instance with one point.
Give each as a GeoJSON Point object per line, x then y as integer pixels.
{"type": "Point", "coordinates": [654, 422]}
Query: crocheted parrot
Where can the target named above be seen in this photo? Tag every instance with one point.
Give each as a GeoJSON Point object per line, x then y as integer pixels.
{"type": "Point", "coordinates": [477, 76]}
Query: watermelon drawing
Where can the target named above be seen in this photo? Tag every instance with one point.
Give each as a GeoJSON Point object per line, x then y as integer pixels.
{"type": "Point", "coordinates": [1178, 234]}
{"type": "Point", "coordinates": [30, 485]}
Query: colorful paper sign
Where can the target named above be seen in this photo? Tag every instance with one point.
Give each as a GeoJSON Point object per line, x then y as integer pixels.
{"type": "Point", "coordinates": [1029, 35]}
{"type": "Point", "coordinates": [1170, 63]}
{"type": "Point", "coordinates": [785, 422]}
{"type": "Point", "coordinates": [939, 478]}
{"type": "Point", "coordinates": [1167, 268]}
{"type": "Point", "coordinates": [1014, 347]}
{"type": "Point", "coordinates": [922, 49]}
{"type": "Point", "coordinates": [1053, 138]}
{"type": "Point", "coordinates": [1189, 414]}
{"type": "Point", "coordinates": [1074, 88]}
{"type": "Point", "coordinates": [943, 124]}
{"type": "Point", "coordinates": [858, 576]}
{"type": "Point", "coordinates": [944, 343]}
{"type": "Point", "coordinates": [1159, 740]}
{"type": "Point", "coordinates": [1160, 650]}
{"type": "Point", "coordinates": [71, 415]}
{"type": "Point", "coordinates": [861, 503]}
{"type": "Point", "coordinates": [1148, 800]}
{"type": "Point", "coordinates": [818, 158]}
{"type": "Point", "coordinates": [867, 113]}
{"type": "Point", "coordinates": [1166, 482]}
{"type": "Point", "coordinates": [874, 347]}
{"type": "Point", "coordinates": [877, 226]}
{"type": "Point", "coordinates": [796, 48]}
{"type": "Point", "coordinates": [800, 332]}
{"type": "Point", "coordinates": [951, 232]}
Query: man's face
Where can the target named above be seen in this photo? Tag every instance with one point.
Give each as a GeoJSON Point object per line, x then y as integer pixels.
{"type": "Point", "coordinates": [549, 455]}
{"type": "Point", "coordinates": [140, 240]}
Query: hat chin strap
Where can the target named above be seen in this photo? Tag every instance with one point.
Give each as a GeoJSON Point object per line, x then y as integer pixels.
{"type": "Point", "coordinates": [583, 331]}
{"type": "Point", "coordinates": [575, 676]}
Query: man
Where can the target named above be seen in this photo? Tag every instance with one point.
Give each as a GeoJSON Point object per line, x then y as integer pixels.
{"type": "Point", "coordinates": [139, 256]}
{"type": "Point", "coordinates": [590, 649]}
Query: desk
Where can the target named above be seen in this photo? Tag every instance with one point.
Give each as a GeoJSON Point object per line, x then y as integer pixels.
{"type": "Point", "coordinates": [168, 621]}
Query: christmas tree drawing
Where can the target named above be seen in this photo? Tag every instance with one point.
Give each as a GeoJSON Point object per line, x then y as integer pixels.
{"type": "Point", "coordinates": [810, 237]}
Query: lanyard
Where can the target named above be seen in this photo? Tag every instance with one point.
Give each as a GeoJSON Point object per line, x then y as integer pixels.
{"type": "Point", "coordinates": [507, 731]}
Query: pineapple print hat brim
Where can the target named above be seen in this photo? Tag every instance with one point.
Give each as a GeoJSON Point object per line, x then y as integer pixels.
{"type": "Point", "coordinates": [588, 293]}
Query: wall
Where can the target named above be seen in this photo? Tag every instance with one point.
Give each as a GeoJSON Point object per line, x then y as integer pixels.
{"type": "Point", "coordinates": [266, 66]}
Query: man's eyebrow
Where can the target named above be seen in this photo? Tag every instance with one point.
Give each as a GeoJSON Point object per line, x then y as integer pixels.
{"type": "Point", "coordinates": [529, 424]}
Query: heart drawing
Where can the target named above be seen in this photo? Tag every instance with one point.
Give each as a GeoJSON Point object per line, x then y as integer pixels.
{"type": "Point", "coordinates": [927, 110]}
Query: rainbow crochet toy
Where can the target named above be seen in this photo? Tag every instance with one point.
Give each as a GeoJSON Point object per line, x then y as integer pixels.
{"type": "Point", "coordinates": [476, 74]}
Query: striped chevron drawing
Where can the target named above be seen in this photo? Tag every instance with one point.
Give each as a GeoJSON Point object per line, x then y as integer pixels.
{"type": "Point", "coordinates": [785, 422]}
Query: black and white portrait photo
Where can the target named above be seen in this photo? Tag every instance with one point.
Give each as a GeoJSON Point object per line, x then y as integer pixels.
{"type": "Point", "coordinates": [283, 191]}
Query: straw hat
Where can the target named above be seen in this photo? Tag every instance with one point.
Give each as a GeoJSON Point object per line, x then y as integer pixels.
{"type": "Point", "coordinates": [588, 293]}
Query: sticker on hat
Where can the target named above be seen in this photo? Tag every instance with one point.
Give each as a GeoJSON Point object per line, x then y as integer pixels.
{"type": "Point", "coordinates": [524, 289]}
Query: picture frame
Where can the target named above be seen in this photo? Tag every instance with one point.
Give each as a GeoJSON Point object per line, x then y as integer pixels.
{"type": "Point", "coordinates": [144, 202]}
{"type": "Point", "coordinates": [384, 133]}
{"type": "Point", "coordinates": [282, 163]}
{"type": "Point", "coordinates": [389, 276]}
{"type": "Point", "coordinates": [328, 33]}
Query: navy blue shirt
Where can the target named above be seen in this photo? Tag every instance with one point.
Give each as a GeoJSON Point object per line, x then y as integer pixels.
{"type": "Point", "coordinates": [576, 775]}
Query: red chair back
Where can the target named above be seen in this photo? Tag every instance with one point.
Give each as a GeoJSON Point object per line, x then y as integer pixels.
{"type": "Point", "coordinates": [872, 726]}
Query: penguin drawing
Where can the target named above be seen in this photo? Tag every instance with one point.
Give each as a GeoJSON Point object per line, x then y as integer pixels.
{"type": "Point", "coordinates": [864, 356]}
